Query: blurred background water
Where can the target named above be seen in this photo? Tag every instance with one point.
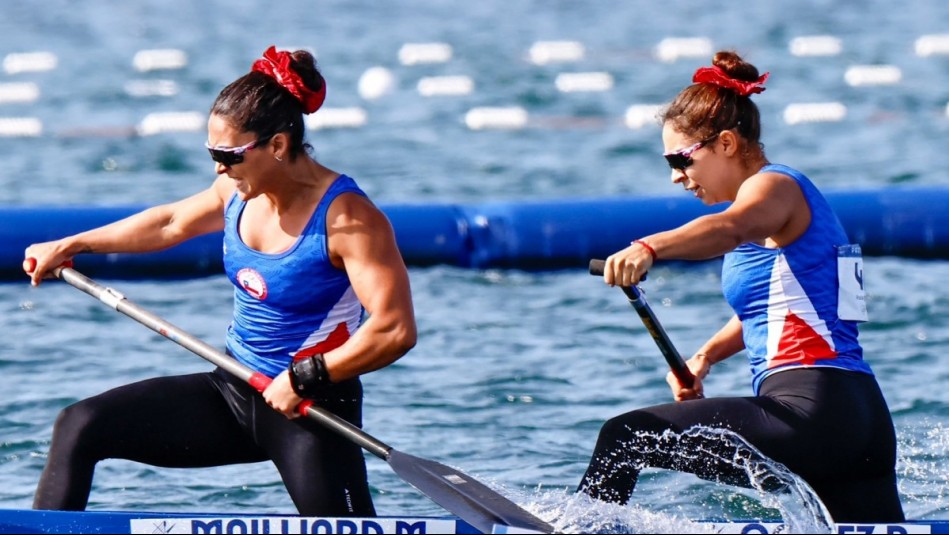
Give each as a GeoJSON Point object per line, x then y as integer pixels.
{"type": "Point", "coordinates": [514, 371]}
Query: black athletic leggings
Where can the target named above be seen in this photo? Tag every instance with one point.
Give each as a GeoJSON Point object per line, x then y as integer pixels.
{"type": "Point", "coordinates": [209, 419]}
{"type": "Point", "coordinates": [830, 427]}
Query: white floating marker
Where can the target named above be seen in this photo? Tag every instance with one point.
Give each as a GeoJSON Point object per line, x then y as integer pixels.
{"type": "Point", "coordinates": [640, 115]}
{"type": "Point", "coordinates": [417, 53]}
{"type": "Point", "coordinates": [159, 59]}
{"type": "Point", "coordinates": [545, 52]}
{"type": "Point", "coordinates": [860, 75]}
{"type": "Point", "coordinates": [932, 45]}
{"type": "Point", "coordinates": [671, 49]}
{"type": "Point", "coordinates": [170, 122]}
{"type": "Point", "coordinates": [20, 127]}
{"type": "Point", "coordinates": [376, 82]}
{"type": "Point", "coordinates": [499, 118]}
{"type": "Point", "coordinates": [352, 117]}
{"type": "Point", "coordinates": [432, 86]}
{"type": "Point", "coordinates": [575, 82]}
{"type": "Point", "coordinates": [19, 92]}
{"type": "Point", "coordinates": [815, 45]}
{"type": "Point", "coordinates": [151, 88]}
{"type": "Point", "coordinates": [29, 62]}
{"type": "Point", "coordinates": [815, 112]}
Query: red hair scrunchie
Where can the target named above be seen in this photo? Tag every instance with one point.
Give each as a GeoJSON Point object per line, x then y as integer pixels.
{"type": "Point", "coordinates": [277, 65]}
{"type": "Point", "coordinates": [716, 76]}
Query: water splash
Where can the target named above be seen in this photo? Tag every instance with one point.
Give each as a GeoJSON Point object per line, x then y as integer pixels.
{"type": "Point", "coordinates": [800, 508]}
{"type": "Point", "coordinates": [775, 492]}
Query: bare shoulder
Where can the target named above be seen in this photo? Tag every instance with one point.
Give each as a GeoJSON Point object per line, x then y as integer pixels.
{"type": "Point", "coordinates": [769, 185]}
{"type": "Point", "coordinates": [771, 206]}
{"type": "Point", "coordinates": [359, 233]}
{"type": "Point", "coordinates": [223, 187]}
{"type": "Point", "coordinates": [772, 179]}
{"type": "Point", "coordinates": [352, 209]}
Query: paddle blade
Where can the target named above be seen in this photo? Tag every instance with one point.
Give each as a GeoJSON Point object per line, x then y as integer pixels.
{"type": "Point", "coordinates": [463, 496]}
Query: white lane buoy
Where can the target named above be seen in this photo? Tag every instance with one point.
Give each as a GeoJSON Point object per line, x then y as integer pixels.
{"type": "Point", "coordinates": [814, 112]}
{"type": "Point", "coordinates": [15, 63]}
{"type": "Point", "coordinates": [671, 49]}
{"type": "Point", "coordinates": [19, 92]}
{"type": "Point", "coordinates": [20, 127]}
{"type": "Point", "coordinates": [575, 82]}
{"type": "Point", "coordinates": [431, 86]}
{"type": "Point", "coordinates": [545, 52]}
{"type": "Point", "coordinates": [417, 53]}
{"type": "Point", "coordinates": [640, 115]}
{"type": "Point", "coordinates": [861, 75]}
{"type": "Point", "coordinates": [932, 45]}
{"type": "Point", "coordinates": [151, 88]}
{"type": "Point", "coordinates": [376, 82]}
{"type": "Point", "coordinates": [159, 59]}
{"type": "Point", "coordinates": [175, 121]}
{"type": "Point", "coordinates": [502, 118]}
{"type": "Point", "coordinates": [352, 117]}
{"type": "Point", "coordinates": [815, 45]}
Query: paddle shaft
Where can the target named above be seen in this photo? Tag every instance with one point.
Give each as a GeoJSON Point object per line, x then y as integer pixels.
{"type": "Point", "coordinates": [669, 352]}
{"type": "Point", "coordinates": [469, 499]}
{"type": "Point", "coordinates": [259, 381]}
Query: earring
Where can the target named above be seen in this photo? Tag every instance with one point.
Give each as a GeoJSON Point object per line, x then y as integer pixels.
{"type": "Point", "coordinates": [278, 158]}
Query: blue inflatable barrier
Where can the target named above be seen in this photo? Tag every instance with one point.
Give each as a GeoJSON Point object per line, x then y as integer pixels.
{"type": "Point", "coordinates": [564, 233]}
{"type": "Point", "coordinates": [537, 235]}
{"type": "Point", "coordinates": [907, 222]}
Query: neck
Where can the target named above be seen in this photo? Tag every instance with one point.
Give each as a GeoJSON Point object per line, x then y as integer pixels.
{"type": "Point", "coordinates": [299, 184]}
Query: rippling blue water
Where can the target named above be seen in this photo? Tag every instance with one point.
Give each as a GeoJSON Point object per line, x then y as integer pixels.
{"type": "Point", "coordinates": [514, 372]}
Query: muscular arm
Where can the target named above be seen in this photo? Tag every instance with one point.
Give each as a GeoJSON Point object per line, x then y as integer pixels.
{"type": "Point", "coordinates": [768, 205]}
{"type": "Point", "coordinates": [362, 240]}
{"type": "Point", "coordinates": [152, 229]}
{"type": "Point", "coordinates": [765, 205]}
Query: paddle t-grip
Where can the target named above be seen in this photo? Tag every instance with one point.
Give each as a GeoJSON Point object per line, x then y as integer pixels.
{"type": "Point", "coordinates": [597, 266]}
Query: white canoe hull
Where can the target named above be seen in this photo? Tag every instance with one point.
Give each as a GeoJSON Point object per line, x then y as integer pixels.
{"type": "Point", "coordinates": [30, 521]}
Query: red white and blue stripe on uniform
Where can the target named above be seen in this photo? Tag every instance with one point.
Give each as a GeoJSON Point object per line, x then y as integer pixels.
{"type": "Point", "coordinates": [787, 298]}
{"type": "Point", "coordinates": [292, 304]}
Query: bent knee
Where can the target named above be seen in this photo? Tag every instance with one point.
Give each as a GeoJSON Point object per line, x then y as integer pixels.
{"type": "Point", "coordinates": [635, 423]}
{"type": "Point", "coordinates": [78, 423]}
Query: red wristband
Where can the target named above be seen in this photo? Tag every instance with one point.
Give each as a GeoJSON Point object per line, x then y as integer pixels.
{"type": "Point", "coordinates": [649, 248]}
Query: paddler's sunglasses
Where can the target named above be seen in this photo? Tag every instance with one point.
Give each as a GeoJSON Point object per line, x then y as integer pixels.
{"type": "Point", "coordinates": [682, 158]}
{"type": "Point", "coordinates": [231, 156]}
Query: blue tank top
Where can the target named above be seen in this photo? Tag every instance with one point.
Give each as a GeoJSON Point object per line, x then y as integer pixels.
{"type": "Point", "coordinates": [292, 304]}
{"type": "Point", "coordinates": [787, 298]}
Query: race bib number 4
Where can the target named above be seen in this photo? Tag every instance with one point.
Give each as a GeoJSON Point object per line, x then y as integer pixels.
{"type": "Point", "coordinates": [851, 297]}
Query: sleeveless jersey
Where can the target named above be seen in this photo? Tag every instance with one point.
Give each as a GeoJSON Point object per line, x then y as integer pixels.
{"type": "Point", "coordinates": [292, 304]}
{"type": "Point", "coordinates": [787, 298]}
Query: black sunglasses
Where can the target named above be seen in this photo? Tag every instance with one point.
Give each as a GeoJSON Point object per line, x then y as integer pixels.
{"type": "Point", "coordinates": [231, 156]}
{"type": "Point", "coordinates": [682, 158]}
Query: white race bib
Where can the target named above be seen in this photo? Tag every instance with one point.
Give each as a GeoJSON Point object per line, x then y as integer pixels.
{"type": "Point", "coordinates": [851, 297]}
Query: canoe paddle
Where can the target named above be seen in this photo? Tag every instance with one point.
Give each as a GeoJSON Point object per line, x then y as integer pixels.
{"type": "Point", "coordinates": [458, 493]}
{"type": "Point", "coordinates": [638, 300]}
